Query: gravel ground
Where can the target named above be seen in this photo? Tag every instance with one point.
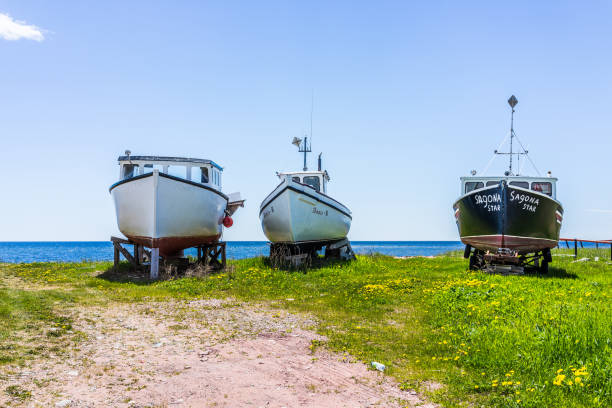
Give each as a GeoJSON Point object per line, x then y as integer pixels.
{"type": "Point", "coordinates": [205, 353]}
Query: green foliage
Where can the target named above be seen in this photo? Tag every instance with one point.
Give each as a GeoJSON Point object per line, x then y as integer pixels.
{"type": "Point", "coordinates": [491, 340]}
{"type": "Point", "coordinates": [17, 392]}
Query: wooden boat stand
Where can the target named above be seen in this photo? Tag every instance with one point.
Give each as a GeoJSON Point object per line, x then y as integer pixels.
{"type": "Point", "coordinates": [211, 256]}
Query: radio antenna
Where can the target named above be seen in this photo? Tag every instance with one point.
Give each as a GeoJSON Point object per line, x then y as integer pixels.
{"type": "Point", "coordinates": [311, 112]}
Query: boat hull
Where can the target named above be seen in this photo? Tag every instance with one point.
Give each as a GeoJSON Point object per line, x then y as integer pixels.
{"type": "Point", "coordinates": [505, 216]}
{"type": "Point", "coordinates": [296, 213]}
{"type": "Point", "coordinates": [169, 213]}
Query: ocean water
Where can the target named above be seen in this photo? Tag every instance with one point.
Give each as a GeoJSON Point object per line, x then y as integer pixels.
{"type": "Point", "coordinates": [17, 252]}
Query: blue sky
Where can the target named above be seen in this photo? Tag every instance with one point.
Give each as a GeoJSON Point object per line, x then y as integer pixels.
{"type": "Point", "coordinates": [408, 98]}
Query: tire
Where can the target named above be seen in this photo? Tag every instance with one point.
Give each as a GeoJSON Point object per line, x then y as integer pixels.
{"type": "Point", "coordinates": [547, 255]}
{"type": "Point", "coordinates": [544, 266]}
{"type": "Point", "coordinates": [468, 251]}
{"type": "Point", "coordinates": [475, 262]}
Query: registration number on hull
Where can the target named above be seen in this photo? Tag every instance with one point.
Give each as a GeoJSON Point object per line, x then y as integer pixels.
{"type": "Point", "coordinates": [320, 212]}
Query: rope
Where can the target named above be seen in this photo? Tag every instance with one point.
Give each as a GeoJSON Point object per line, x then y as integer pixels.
{"type": "Point", "coordinates": [527, 155]}
{"type": "Point", "coordinates": [494, 155]}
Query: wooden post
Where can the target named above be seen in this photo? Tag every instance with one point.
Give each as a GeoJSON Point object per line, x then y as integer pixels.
{"type": "Point", "coordinates": [136, 254]}
{"type": "Point", "coordinates": [576, 248]}
{"type": "Point", "coordinates": [223, 255]}
{"type": "Point", "coordinates": [154, 263]}
{"type": "Point", "coordinates": [117, 256]}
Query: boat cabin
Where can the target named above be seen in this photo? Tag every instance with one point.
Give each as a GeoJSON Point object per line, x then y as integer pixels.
{"type": "Point", "coordinates": [314, 179]}
{"type": "Point", "coordinates": [544, 185]}
{"type": "Point", "coordinates": [200, 171]}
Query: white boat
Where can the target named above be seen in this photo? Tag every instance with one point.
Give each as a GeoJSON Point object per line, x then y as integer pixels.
{"type": "Point", "coordinates": [171, 203]}
{"type": "Point", "coordinates": [299, 209]}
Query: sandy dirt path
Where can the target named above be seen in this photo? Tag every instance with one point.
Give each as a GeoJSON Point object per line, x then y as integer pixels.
{"type": "Point", "coordinates": [206, 353]}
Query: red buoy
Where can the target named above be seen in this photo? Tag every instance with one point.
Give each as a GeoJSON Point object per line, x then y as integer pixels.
{"type": "Point", "coordinates": [227, 221]}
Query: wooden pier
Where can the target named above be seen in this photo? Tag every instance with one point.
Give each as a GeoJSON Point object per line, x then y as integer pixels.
{"type": "Point", "coordinates": [212, 256]}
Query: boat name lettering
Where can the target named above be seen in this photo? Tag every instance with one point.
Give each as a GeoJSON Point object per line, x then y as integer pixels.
{"type": "Point", "coordinates": [530, 203]}
{"type": "Point", "coordinates": [320, 212]}
{"type": "Point", "coordinates": [491, 202]}
{"type": "Point", "coordinates": [484, 199]}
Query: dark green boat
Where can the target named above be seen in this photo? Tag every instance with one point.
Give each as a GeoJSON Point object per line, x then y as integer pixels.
{"type": "Point", "coordinates": [510, 219]}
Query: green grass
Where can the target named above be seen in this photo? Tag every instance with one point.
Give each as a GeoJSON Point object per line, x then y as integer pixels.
{"type": "Point", "coordinates": [491, 340]}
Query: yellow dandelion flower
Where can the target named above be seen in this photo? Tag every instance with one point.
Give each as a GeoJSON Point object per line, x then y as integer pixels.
{"type": "Point", "coordinates": [559, 379]}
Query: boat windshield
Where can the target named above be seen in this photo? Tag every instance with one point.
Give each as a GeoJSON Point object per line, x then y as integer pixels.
{"type": "Point", "coordinates": [542, 187]}
{"type": "Point", "coordinates": [521, 184]}
{"type": "Point", "coordinates": [473, 185]}
{"type": "Point", "coordinates": [130, 170]}
{"type": "Point", "coordinates": [313, 181]}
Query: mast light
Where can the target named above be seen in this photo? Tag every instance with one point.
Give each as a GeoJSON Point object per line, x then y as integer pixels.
{"type": "Point", "coordinates": [512, 101]}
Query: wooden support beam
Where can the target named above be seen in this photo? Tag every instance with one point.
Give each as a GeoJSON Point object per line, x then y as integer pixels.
{"type": "Point", "coordinates": [223, 258]}
{"type": "Point", "coordinates": [126, 254]}
{"type": "Point", "coordinates": [121, 240]}
{"type": "Point", "coordinates": [117, 257]}
{"type": "Point", "coordinates": [136, 254]}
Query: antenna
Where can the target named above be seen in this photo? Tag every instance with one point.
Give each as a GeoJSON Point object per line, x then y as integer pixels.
{"type": "Point", "coordinates": [311, 111]}
{"type": "Point", "coordinates": [512, 102]}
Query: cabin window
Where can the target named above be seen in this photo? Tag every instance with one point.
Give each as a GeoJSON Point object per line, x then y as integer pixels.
{"type": "Point", "coordinates": [542, 187]}
{"type": "Point", "coordinates": [177, 171]}
{"type": "Point", "coordinates": [313, 181]}
{"type": "Point", "coordinates": [492, 183]}
{"type": "Point", "coordinates": [473, 185]}
{"type": "Point", "coordinates": [130, 170]}
{"type": "Point", "coordinates": [296, 179]}
{"type": "Point", "coordinates": [199, 175]}
{"type": "Point", "coordinates": [148, 168]}
{"type": "Point", "coordinates": [521, 184]}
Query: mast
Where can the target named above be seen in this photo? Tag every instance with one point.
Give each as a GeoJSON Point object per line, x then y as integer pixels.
{"type": "Point", "coordinates": [512, 102]}
{"type": "Point", "coordinates": [303, 147]}
{"type": "Point", "coordinates": [306, 149]}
